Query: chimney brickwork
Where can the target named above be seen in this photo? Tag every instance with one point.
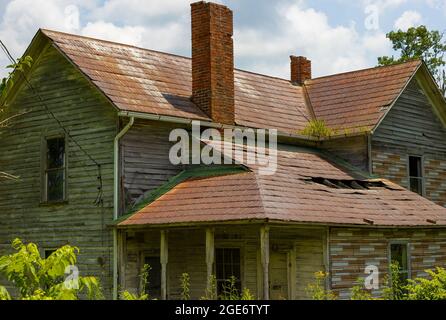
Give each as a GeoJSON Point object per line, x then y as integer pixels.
{"type": "Point", "coordinates": [213, 61]}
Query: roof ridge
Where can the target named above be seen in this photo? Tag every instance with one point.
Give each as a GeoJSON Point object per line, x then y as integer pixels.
{"type": "Point", "coordinates": [189, 58]}
{"type": "Point", "coordinates": [152, 50]}
{"type": "Point", "coordinates": [366, 69]}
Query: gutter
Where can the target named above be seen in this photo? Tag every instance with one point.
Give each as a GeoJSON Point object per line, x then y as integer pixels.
{"type": "Point", "coordinates": [210, 124]}
{"type": "Point", "coordinates": [116, 203]}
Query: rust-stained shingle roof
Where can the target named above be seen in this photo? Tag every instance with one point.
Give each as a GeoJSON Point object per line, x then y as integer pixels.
{"type": "Point", "coordinates": [358, 99]}
{"type": "Point", "coordinates": [153, 82]}
{"type": "Point", "coordinates": [289, 195]}
{"type": "Point", "coordinates": [148, 81]}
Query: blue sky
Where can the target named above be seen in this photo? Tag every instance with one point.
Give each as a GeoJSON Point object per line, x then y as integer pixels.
{"type": "Point", "coordinates": [337, 35]}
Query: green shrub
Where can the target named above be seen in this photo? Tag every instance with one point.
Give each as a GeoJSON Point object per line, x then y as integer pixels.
{"type": "Point", "coordinates": [317, 290]}
{"type": "Point", "coordinates": [143, 293]}
{"type": "Point", "coordinates": [318, 129]}
{"type": "Point", "coordinates": [396, 286]}
{"type": "Point", "coordinates": [211, 291]}
{"type": "Point", "coordinates": [185, 286]}
{"type": "Point", "coordinates": [359, 292]}
{"type": "Point", "coordinates": [428, 289]}
{"type": "Point", "coordinates": [44, 279]}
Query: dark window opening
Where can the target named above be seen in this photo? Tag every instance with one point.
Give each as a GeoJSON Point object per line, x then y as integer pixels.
{"type": "Point", "coordinates": [48, 252]}
{"type": "Point", "coordinates": [153, 285]}
{"type": "Point", "coordinates": [227, 263]}
{"type": "Point", "coordinates": [415, 175]}
{"type": "Point", "coordinates": [55, 170]}
{"type": "Point", "coordinates": [399, 256]}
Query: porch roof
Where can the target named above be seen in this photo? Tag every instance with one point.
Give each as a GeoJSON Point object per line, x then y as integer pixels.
{"type": "Point", "coordinates": [307, 187]}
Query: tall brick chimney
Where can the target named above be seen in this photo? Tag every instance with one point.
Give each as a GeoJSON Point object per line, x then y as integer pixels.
{"type": "Point", "coordinates": [213, 61]}
{"type": "Point", "coordinates": [300, 70]}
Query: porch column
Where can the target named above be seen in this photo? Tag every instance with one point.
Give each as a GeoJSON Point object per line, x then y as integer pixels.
{"type": "Point", "coordinates": [164, 253]}
{"type": "Point", "coordinates": [210, 256]}
{"type": "Point", "coordinates": [264, 256]}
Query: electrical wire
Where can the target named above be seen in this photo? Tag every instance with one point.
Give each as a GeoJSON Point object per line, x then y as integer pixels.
{"type": "Point", "coordinates": [99, 197]}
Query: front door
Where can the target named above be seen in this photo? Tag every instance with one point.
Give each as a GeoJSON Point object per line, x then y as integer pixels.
{"type": "Point", "coordinates": [278, 276]}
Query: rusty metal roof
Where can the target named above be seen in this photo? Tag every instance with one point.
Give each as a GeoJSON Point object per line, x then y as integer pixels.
{"type": "Point", "coordinates": [147, 81]}
{"type": "Point", "coordinates": [358, 99]}
{"type": "Point", "coordinates": [290, 195]}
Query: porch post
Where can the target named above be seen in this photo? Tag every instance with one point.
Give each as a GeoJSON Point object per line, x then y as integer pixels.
{"type": "Point", "coordinates": [164, 253]}
{"type": "Point", "coordinates": [210, 256]}
{"type": "Point", "coordinates": [264, 254]}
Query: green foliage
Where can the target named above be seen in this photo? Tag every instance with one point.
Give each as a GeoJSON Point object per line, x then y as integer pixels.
{"type": "Point", "coordinates": [230, 291]}
{"type": "Point", "coordinates": [246, 295]}
{"type": "Point", "coordinates": [395, 289]}
{"type": "Point", "coordinates": [358, 292]}
{"type": "Point", "coordinates": [185, 286]}
{"type": "Point", "coordinates": [211, 292]}
{"type": "Point", "coordinates": [20, 66]}
{"type": "Point", "coordinates": [419, 43]}
{"type": "Point", "coordinates": [143, 293]}
{"type": "Point", "coordinates": [318, 129]}
{"type": "Point", "coordinates": [44, 279]}
{"type": "Point", "coordinates": [428, 289]}
{"type": "Point", "coordinates": [316, 290]}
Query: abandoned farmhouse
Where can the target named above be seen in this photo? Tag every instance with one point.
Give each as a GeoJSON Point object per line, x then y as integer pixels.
{"type": "Point", "coordinates": [100, 177]}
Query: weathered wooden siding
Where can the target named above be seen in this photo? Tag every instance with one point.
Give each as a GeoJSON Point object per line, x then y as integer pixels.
{"type": "Point", "coordinates": [187, 254]}
{"type": "Point", "coordinates": [145, 153]}
{"type": "Point", "coordinates": [352, 249]}
{"type": "Point", "coordinates": [412, 128]}
{"type": "Point", "coordinates": [92, 122]}
{"type": "Point", "coordinates": [354, 150]}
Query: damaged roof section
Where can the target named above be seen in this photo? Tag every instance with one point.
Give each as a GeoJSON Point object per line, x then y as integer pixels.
{"type": "Point", "coordinates": [296, 192]}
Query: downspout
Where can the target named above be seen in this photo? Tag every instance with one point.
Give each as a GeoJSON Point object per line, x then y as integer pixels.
{"type": "Point", "coordinates": [116, 204]}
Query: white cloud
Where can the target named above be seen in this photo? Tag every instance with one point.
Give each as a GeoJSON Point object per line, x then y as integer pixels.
{"type": "Point", "coordinates": [384, 4]}
{"type": "Point", "coordinates": [166, 38]}
{"type": "Point", "coordinates": [135, 11]}
{"type": "Point", "coordinates": [408, 19]}
{"type": "Point", "coordinates": [308, 32]}
{"type": "Point", "coordinates": [22, 18]}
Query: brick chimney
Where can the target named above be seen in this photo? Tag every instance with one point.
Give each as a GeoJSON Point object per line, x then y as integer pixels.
{"type": "Point", "coordinates": [300, 70]}
{"type": "Point", "coordinates": [213, 61]}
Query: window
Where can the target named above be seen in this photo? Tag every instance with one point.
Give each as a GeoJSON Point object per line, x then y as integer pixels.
{"type": "Point", "coordinates": [227, 263]}
{"type": "Point", "coordinates": [153, 287]}
{"type": "Point", "coordinates": [55, 170]}
{"type": "Point", "coordinates": [399, 254]}
{"type": "Point", "coordinates": [48, 252]}
{"type": "Point", "coordinates": [416, 174]}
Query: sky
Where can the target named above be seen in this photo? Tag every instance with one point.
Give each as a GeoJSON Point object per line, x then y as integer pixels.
{"type": "Point", "coordinates": [337, 35]}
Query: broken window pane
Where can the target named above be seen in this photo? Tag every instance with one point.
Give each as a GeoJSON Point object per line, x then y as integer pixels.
{"type": "Point", "coordinates": [415, 174]}
{"type": "Point", "coordinates": [55, 153]}
{"type": "Point", "coordinates": [55, 170]}
{"type": "Point", "coordinates": [399, 255]}
{"type": "Point", "coordinates": [55, 185]}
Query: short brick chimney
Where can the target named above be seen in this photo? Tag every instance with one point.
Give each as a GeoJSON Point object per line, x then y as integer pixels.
{"type": "Point", "coordinates": [300, 70]}
{"type": "Point", "coordinates": [213, 61]}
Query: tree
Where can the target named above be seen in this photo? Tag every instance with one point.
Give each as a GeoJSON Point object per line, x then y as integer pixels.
{"type": "Point", "coordinates": [419, 43]}
{"type": "Point", "coordinates": [5, 84]}
{"type": "Point", "coordinates": [36, 278]}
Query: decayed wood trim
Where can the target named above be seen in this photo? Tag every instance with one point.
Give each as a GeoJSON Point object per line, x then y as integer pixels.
{"type": "Point", "coordinates": [264, 253]}
{"type": "Point", "coordinates": [164, 258]}
{"type": "Point", "coordinates": [210, 256]}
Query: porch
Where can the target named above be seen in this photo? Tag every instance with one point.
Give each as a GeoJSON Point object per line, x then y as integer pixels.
{"type": "Point", "coordinates": [272, 261]}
